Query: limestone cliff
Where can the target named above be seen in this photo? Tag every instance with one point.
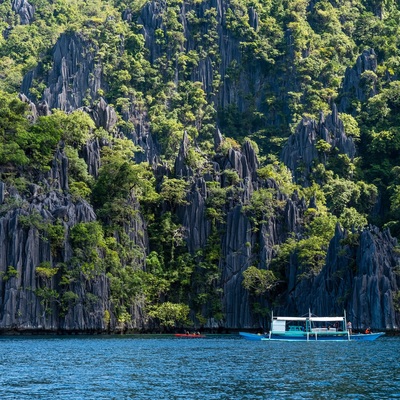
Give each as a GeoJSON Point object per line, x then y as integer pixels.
{"type": "Point", "coordinates": [30, 301]}
{"type": "Point", "coordinates": [359, 276]}
{"type": "Point", "coordinates": [24, 9]}
{"type": "Point", "coordinates": [75, 75]}
{"type": "Point", "coordinates": [221, 68]}
{"type": "Point", "coordinates": [360, 81]}
{"type": "Point", "coordinates": [301, 153]}
{"type": "Point", "coordinates": [359, 273]}
{"type": "Point", "coordinates": [25, 245]}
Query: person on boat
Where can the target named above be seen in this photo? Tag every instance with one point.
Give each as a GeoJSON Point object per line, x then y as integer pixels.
{"type": "Point", "coordinates": [368, 331]}
{"type": "Point", "coordinates": [350, 327]}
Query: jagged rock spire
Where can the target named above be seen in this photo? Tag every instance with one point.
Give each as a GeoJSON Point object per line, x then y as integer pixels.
{"type": "Point", "coordinates": [24, 9]}
{"type": "Point", "coordinates": [74, 76]}
{"type": "Point", "coordinates": [356, 85]}
{"type": "Point", "coordinates": [181, 167]}
{"type": "Point", "coordinates": [300, 151]}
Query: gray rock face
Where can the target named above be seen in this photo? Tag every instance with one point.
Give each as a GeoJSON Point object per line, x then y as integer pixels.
{"type": "Point", "coordinates": [91, 154]}
{"type": "Point", "coordinates": [74, 77]}
{"type": "Point", "coordinates": [301, 148]}
{"type": "Point", "coordinates": [242, 246]}
{"type": "Point", "coordinates": [360, 82]}
{"type": "Point", "coordinates": [196, 226]}
{"type": "Point", "coordinates": [243, 162]}
{"type": "Point", "coordinates": [193, 215]}
{"type": "Point", "coordinates": [332, 131]}
{"type": "Point", "coordinates": [59, 171]}
{"type": "Point", "coordinates": [181, 168]}
{"type": "Point", "coordinates": [25, 245]}
{"type": "Point", "coordinates": [21, 305]}
{"type": "Point", "coordinates": [103, 115]}
{"type": "Point", "coordinates": [2, 192]}
{"type": "Point", "coordinates": [357, 277]}
{"type": "Point", "coordinates": [300, 151]}
{"type": "Point", "coordinates": [32, 107]}
{"type": "Point", "coordinates": [25, 11]}
{"type": "Point", "coordinates": [151, 20]}
{"type": "Point", "coordinates": [237, 257]}
{"type": "Point", "coordinates": [238, 240]}
{"type": "Point", "coordinates": [141, 134]}
{"type": "Point", "coordinates": [376, 282]}
{"type": "Point", "coordinates": [233, 89]}
{"type": "Point", "coordinates": [360, 279]}
{"type": "Point", "coordinates": [87, 315]}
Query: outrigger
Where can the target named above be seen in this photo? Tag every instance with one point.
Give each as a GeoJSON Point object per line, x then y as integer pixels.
{"type": "Point", "coordinates": [310, 328]}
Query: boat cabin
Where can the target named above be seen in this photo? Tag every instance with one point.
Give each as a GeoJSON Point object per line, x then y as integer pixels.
{"type": "Point", "coordinates": [309, 324]}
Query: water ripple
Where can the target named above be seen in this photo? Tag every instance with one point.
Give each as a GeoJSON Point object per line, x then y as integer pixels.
{"type": "Point", "coordinates": [215, 368]}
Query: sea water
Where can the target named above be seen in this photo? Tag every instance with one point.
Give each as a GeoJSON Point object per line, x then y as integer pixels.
{"type": "Point", "coordinates": [216, 367]}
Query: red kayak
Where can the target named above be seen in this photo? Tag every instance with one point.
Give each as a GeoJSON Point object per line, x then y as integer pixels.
{"type": "Point", "coordinates": [189, 335]}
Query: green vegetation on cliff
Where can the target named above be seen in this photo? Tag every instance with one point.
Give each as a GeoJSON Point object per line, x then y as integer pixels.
{"type": "Point", "coordinates": [254, 75]}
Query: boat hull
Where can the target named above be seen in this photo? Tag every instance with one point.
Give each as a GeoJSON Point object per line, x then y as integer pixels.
{"type": "Point", "coordinates": [321, 337]}
{"type": "Point", "coordinates": [367, 337]}
{"type": "Point", "coordinates": [189, 336]}
{"type": "Point", "coordinates": [252, 336]}
{"type": "Point", "coordinates": [312, 328]}
{"type": "Point", "coordinates": [312, 337]}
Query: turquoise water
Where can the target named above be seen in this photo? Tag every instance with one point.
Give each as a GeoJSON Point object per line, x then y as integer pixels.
{"type": "Point", "coordinates": [217, 367]}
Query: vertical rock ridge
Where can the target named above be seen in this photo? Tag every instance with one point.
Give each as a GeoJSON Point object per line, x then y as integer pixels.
{"type": "Point", "coordinates": [74, 75]}
{"type": "Point", "coordinates": [24, 9]}
{"type": "Point", "coordinates": [365, 268]}
{"type": "Point", "coordinates": [359, 278]}
{"type": "Point", "coordinates": [141, 135]}
{"type": "Point", "coordinates": [356, 84]}
{"type": "Point", "coordinates": [300, 152]}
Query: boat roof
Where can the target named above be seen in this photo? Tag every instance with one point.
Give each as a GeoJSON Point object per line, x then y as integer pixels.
{"type": "Point", "coordinates": [316, 319]}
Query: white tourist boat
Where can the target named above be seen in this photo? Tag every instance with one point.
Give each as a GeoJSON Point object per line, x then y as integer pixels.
{"type": "Point", "coordinates": [311, 328]}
